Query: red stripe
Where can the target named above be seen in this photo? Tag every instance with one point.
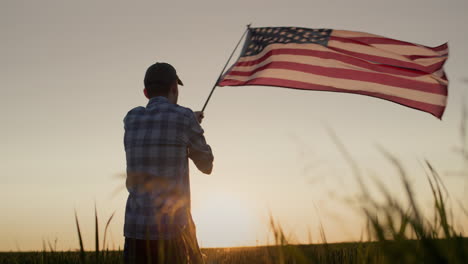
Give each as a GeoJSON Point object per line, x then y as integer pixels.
{"type": "Point", "coordinates": [351, 75]}
{"type": "Point", "coordinates": [381, 40]}
{"type": "Point", "coordinates": [415, 57]}
{"type": "Point", "coordinates": [389, 61]}
{"type": "Point", "coordinates": [349, 40]}
{"type": "Point", "coordinates": [435, 110]}
{"type": "Point", "coordinates": [444, 76]}
{"type": "Point", "coordinates": [377, 40]}
{"type": "Point", "coordinates": [437, 66]}
{"type": "Point", "coordinates": [411, 57]}
{"type": "Point", "coordinates": [339, 57]}
{"type": "Point", "coordinates": [440, 48]}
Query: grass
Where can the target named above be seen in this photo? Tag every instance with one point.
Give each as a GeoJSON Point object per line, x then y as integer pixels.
{"type": "Point", "coordinates": [397, 231]}
{"type": "Point", "coordinates": [352, 252]}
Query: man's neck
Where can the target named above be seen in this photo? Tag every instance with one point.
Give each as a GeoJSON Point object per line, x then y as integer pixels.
{"type": "Point", "coordinates": [165, 97]}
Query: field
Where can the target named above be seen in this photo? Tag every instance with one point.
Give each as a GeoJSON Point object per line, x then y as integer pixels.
{"type": "Point", "coordinates": [396, 232]}
{"type": "Point", "coordinates": [365, 252]}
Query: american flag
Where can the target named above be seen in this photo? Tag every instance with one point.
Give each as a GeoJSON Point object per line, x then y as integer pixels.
{"type": "Point", "coordinates": [343, 61]}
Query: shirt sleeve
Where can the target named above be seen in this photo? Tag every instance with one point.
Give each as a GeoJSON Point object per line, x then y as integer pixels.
{"type": "Point", "coordinates": [128, 119]}
{"type": "Point", "coordinates": [198, 150]}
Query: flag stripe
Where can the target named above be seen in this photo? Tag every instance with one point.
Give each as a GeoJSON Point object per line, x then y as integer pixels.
{"type": "Point", "coordinates": [333, 63]}
{"type": "Point", "coordinates": [351, 85]}
{"type": "Point", "coordinates": [416, 57]}
{"type": "Point", "coordinates": [408, 64]}
{"type": "Point", "coordinates": [441, 74]}
{"type": "Point", "coordinates": [410, 51]}
{"type": "Point", "coordinates": [390, 61]}
{"type": "Point", "coordinates": [400, 49]}
{"type": "Point", "coordinates": [376, 39]}
{"type": "Point", "coordinates": [376, 52]}
{"type": "Point", "coordinates": [352, 34]}
{"type": "Point", "coordinates": [435, 110]}
{"type": "Point", "coordinates": [441, 48]}
{"type": "Point", "coordinates": [276, 50]}
{"type": "Point", "coordinates": [350, 74]}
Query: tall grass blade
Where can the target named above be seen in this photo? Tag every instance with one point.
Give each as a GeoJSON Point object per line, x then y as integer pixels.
{"type": "Point", "coordinates": [50, 246]}
{"type": "Point", "coordinates": [105, 230]}
{"type": "Point", "coordinates": [349, 159]}
{"type": "Point", "coordinates": [96, 232]}
{"type": "Point", "coordinates": [82, 252]}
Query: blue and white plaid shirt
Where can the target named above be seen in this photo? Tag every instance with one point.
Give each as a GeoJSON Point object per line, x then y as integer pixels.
{"type": "Point", "coordinates": [158, 141]}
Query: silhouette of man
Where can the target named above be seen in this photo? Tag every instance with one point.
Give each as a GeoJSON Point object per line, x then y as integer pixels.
{"type": "Point", "coordinates": [159, 139]}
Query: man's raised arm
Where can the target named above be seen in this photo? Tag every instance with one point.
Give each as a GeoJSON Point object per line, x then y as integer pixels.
{"type": "Point", "coordinates": [198, 150]}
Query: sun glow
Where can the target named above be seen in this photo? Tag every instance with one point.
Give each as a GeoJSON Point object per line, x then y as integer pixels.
{"type": "Point", "coordinates": [225, 220]}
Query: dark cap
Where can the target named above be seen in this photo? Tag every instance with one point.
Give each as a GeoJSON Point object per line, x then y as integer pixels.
{"type": "Point", "coordinates": [161, 73]}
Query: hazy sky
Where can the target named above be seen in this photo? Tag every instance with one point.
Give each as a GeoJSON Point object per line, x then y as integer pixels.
{"type": "Point", "coordinates": [71, 70]}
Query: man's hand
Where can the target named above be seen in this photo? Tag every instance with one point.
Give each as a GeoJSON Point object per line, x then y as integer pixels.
{"type": "Point", "coordinates": [199, 116]}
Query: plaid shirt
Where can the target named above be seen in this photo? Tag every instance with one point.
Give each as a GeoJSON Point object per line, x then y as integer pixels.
{"type": "Point", "coordinates": [158, 141]}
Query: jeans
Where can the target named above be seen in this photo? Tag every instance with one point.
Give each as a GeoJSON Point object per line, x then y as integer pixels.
{"type": "Point", "coordinates": [181, 249]}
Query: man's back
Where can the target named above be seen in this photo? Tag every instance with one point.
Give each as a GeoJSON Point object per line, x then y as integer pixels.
{"type": "Point", "coordinates": [158, 141]}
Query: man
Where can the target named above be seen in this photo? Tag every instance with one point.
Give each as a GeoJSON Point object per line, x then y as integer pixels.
{"type": "Point", "coordinates": [159, 139]}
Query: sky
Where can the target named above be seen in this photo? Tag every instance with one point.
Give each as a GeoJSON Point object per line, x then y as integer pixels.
{"type": "Point", "coordinates": [71, 70]}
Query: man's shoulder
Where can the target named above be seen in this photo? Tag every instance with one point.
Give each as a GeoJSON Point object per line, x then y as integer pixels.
{"type": "Point", "coordinates": [163, 108]}
{"type": "Point", "coordinates": [136, 110]}
{"type": "Point", "coordinates": [185, 111]}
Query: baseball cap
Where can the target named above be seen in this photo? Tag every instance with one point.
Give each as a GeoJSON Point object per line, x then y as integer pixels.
{"type": "Point", "coordinates": [161, 73]}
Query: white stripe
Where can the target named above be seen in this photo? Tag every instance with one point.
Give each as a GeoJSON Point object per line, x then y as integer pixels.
{"type": "Point", "coordinates": [369, 50]}
{"type": "Point", "coordinates": [407, 49]}
{"type": "Point", "coordinates": [354, 47]}
{"type": "Point", "coordinates": [351, 85]}
{"type": "Point", "coordinates": [331, 63]}
{"type": "Point", "coordinates": [271, 47]}
{"type": "Point", "coordinates": [355, 34]}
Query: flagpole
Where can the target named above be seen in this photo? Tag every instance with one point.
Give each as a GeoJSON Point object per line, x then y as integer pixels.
{"type": "Point", "coordinates": [222, 71]}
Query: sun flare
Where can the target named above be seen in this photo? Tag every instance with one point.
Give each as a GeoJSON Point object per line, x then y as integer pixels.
{"type": "Point", "coordinates": [224, 220]}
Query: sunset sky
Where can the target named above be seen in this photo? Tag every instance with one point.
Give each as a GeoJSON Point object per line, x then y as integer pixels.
{"type": "Point", "coordinates": [71, 70]}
